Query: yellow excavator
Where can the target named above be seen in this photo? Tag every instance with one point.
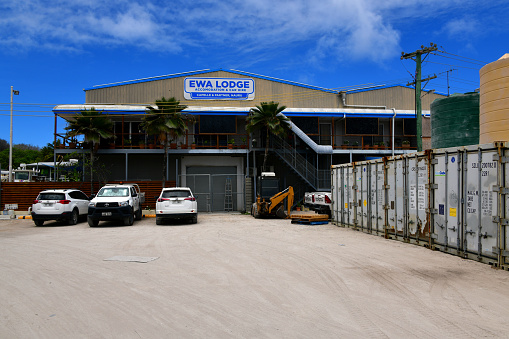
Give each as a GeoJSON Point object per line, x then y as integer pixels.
{"type": "Point", "coordinates": [270, 200]}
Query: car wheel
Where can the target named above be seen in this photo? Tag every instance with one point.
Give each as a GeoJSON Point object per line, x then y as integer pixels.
{"type": "Point", "coordinates": [74, 217]}
{"type": "Point", "coordinates": [129, 220]}
{"type": "Point", "coordinates": [159, 221]}
{"type": "Point", "coordinates": [139, 214]}
{"type": "Point", "coordinates": [38, 222]}
{"type": "Point", "coordinates": [92, 222]}
{"type": "Point", "coordinates": [194, 220]}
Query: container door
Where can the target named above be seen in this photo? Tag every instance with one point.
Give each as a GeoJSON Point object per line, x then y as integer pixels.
{"type": "Point", "coordinates": [417, 179]}
{"type": "Point", "coordinates": [505, 214]}
{"type": "Point", "coordinates": [447, 202]}
{"type": "Point", "coordinates": [377, 197]}
{"type": "Point", "coordinates": [479, 229]}
{"type": "Point", "coordinates": [350, 194]}
{"type": "Point", "coordinates": [391, 195]}
{"type": "Point", "coordinates": [336, 194]}
{"type": "Point", "coordinates": [363, 199]}
{"type": "Point", "coordinates": [401, 196]}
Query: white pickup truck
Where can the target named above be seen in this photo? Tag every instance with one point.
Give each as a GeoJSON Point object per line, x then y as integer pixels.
{"type": "Point", "coordinates": [116, 202]}
{"type": "Point", "coordinates": [319, 202]}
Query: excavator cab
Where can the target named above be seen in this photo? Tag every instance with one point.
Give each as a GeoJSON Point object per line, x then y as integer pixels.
{"type": "Point", "coordinates": [270, 200]}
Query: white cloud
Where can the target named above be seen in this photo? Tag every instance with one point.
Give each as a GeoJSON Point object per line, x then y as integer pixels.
{"type": "Point", "coordinates": [462, 28]}
{"type": "Point", "coordinates": [361, 29]}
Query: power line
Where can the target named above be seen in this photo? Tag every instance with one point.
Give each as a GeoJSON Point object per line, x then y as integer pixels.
{"type": "Point", "coordinates": [459, 56]}
{"type": "Point", "coordinates": [448, 57]}
{"type": "Point", "coordinates": [439, 63]}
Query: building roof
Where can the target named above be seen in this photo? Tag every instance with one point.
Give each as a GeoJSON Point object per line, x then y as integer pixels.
{"type": "Point", "coordinates": [205, 71]}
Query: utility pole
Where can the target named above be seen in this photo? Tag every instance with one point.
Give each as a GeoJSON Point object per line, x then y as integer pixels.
{"type": "Point", "coordinates": [417, 57]}
{"type": "Point", "coordinates": [448, 87]}
{"type": "Point", "coordinates": [10, 138]}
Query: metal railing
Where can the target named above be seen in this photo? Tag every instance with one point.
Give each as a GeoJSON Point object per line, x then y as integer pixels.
{"type": "Point", "coordinates": [303, 167]}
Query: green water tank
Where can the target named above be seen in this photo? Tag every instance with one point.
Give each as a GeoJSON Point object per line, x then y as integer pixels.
{"type": "Point", "coordinates": [455, 121]}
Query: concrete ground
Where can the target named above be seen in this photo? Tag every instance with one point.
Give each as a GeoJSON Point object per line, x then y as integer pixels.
{"type": "Point", "coordinates": [233, 276]}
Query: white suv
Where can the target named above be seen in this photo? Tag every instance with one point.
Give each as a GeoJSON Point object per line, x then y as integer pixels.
{"type": "Point", "coordinates": [176, 203]}
{"type": "Point", "coordinates": [64, 204]}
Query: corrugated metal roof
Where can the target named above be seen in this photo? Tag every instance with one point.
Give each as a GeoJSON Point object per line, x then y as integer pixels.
{"type": "Point", "coordinates": [204, 71]}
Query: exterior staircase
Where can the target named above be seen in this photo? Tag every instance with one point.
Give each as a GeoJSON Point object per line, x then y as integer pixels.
{"type": "Point", "coordinates": [317, 179]}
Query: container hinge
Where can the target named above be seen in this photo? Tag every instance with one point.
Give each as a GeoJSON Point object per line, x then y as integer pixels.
{"type": "Point", "coordinates": [387, 187]}
{"type": "Point", "coordinates": [434, 161]}
{"type": "Point", "coordinates": [498, 251]}
{"type": "Point", "coordinates": [355, 187]}
{"type": "Point", "coordinates": [502, 190]}
{"type": "Point", "coordinates": [503, 160]}
{"type": "Point", "coordinates": [503, 222]}
{"type": "Point", "coordinates": [432, 186]}
{"type": "Point", "coordinates": [433, 236]}
{"type": "Point", "coordinates": [433, 210]}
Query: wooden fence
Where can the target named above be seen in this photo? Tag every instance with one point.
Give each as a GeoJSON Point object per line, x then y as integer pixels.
{"type": "Point", "coordinates": [24, 193]}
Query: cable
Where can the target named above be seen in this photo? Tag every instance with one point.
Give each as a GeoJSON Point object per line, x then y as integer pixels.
{"type": "Point", "coordinates": [480, 61]}
{"type": "Point", "coordinates": [439, 63]}
{"type": "Point", "coordinates": [443, 56]}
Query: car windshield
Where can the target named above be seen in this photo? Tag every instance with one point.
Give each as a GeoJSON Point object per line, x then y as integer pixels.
{"type": "Point", "coordinates": [113, 192]}
{"type": "Point", "coordinates": [21, 175]}
{"type": "Point", "coordinates": [176, 194]}
{"type": "Point", "coordinates": [51, 196]}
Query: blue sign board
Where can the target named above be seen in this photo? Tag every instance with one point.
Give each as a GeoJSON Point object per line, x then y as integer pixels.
{"type": "Point", "coordinates": [219, 89]}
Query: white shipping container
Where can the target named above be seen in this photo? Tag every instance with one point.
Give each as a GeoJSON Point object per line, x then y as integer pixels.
{"type": "Point", "coordinates": [455, 200]}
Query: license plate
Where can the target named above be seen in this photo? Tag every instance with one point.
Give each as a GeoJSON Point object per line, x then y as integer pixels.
{"type": "Point", "coordinates": [106, 214]}
{"type": "Point", "coordinates": [177, 201]}
{"type": "Point", "coordinates": [47, 205]}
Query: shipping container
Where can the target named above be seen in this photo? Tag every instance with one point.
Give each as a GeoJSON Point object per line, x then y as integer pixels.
{"type": "Point", "coordinates": [455, 200]}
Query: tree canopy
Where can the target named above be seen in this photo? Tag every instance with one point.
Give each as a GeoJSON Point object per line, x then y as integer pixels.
{"type": "Point", "coordinates": [267, 117]}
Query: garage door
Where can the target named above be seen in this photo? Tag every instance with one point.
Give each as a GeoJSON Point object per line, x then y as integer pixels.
{"type": "Point", "coordinates": [215, 187]}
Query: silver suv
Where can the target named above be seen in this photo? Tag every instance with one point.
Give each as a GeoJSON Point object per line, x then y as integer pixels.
{"type": "Point", "coordinates": [65, 204]}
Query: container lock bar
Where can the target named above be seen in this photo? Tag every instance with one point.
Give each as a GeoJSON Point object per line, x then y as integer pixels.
{"type": "Point", "coordinates": [498, 251]}
{"type": "Point", "coordinates": [503, 222]}
{"type": "Point", "coordinates": [503, 160]}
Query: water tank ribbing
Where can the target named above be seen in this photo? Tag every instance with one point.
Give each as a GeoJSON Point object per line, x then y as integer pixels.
{"type": "Point", "coordinates": [494, 101]}
{"type": "Point", "coordinates": [455, 121]}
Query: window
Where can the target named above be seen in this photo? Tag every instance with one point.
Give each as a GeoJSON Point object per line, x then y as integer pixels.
{"type": "Point", "coordinates": [308, 125]}
{"type": "Point", "coordinates": [176, 194]}
{"type": "Point", "coordinates": [51, 196]}
{"type": "Point", "coordinates": [409, 126]}
{"type": "Point", "coordinates": [363, 126]}
{"type": "Point", "coordinates": [224, 124]}
{"type": "Point", "coordinates": [113, 192]}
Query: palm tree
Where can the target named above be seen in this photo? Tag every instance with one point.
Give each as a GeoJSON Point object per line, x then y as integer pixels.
{"type": "Point", "coordinates": [267, 116]}
{"type": "Point", "coordinates": [93, 125]}
{"type": "Point", "coordinates": [166, 120]}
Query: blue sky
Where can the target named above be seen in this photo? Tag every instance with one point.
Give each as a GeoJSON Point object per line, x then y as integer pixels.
{"type": "Point", "coordinates": [51, 50]}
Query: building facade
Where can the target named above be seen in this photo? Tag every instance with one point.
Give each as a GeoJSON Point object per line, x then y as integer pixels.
{"type": "Point", "coordinates": [218, 159]}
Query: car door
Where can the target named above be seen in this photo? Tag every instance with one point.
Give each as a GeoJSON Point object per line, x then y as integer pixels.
{"type": "Point", "coordinates": [136, 199]}
{"type": "Point", "coordinates": [81, 201]}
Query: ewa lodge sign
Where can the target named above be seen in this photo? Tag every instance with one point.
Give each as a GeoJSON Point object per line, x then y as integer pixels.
{"type": "Point", "coordinates": [219, 89]}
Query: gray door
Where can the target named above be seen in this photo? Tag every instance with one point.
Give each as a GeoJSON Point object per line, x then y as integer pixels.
{"type": "Point", "coordinates": [208, 184]}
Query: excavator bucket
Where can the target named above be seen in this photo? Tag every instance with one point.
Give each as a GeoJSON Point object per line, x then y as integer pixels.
{"type": "Point", "coordinates": [281, 213]}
